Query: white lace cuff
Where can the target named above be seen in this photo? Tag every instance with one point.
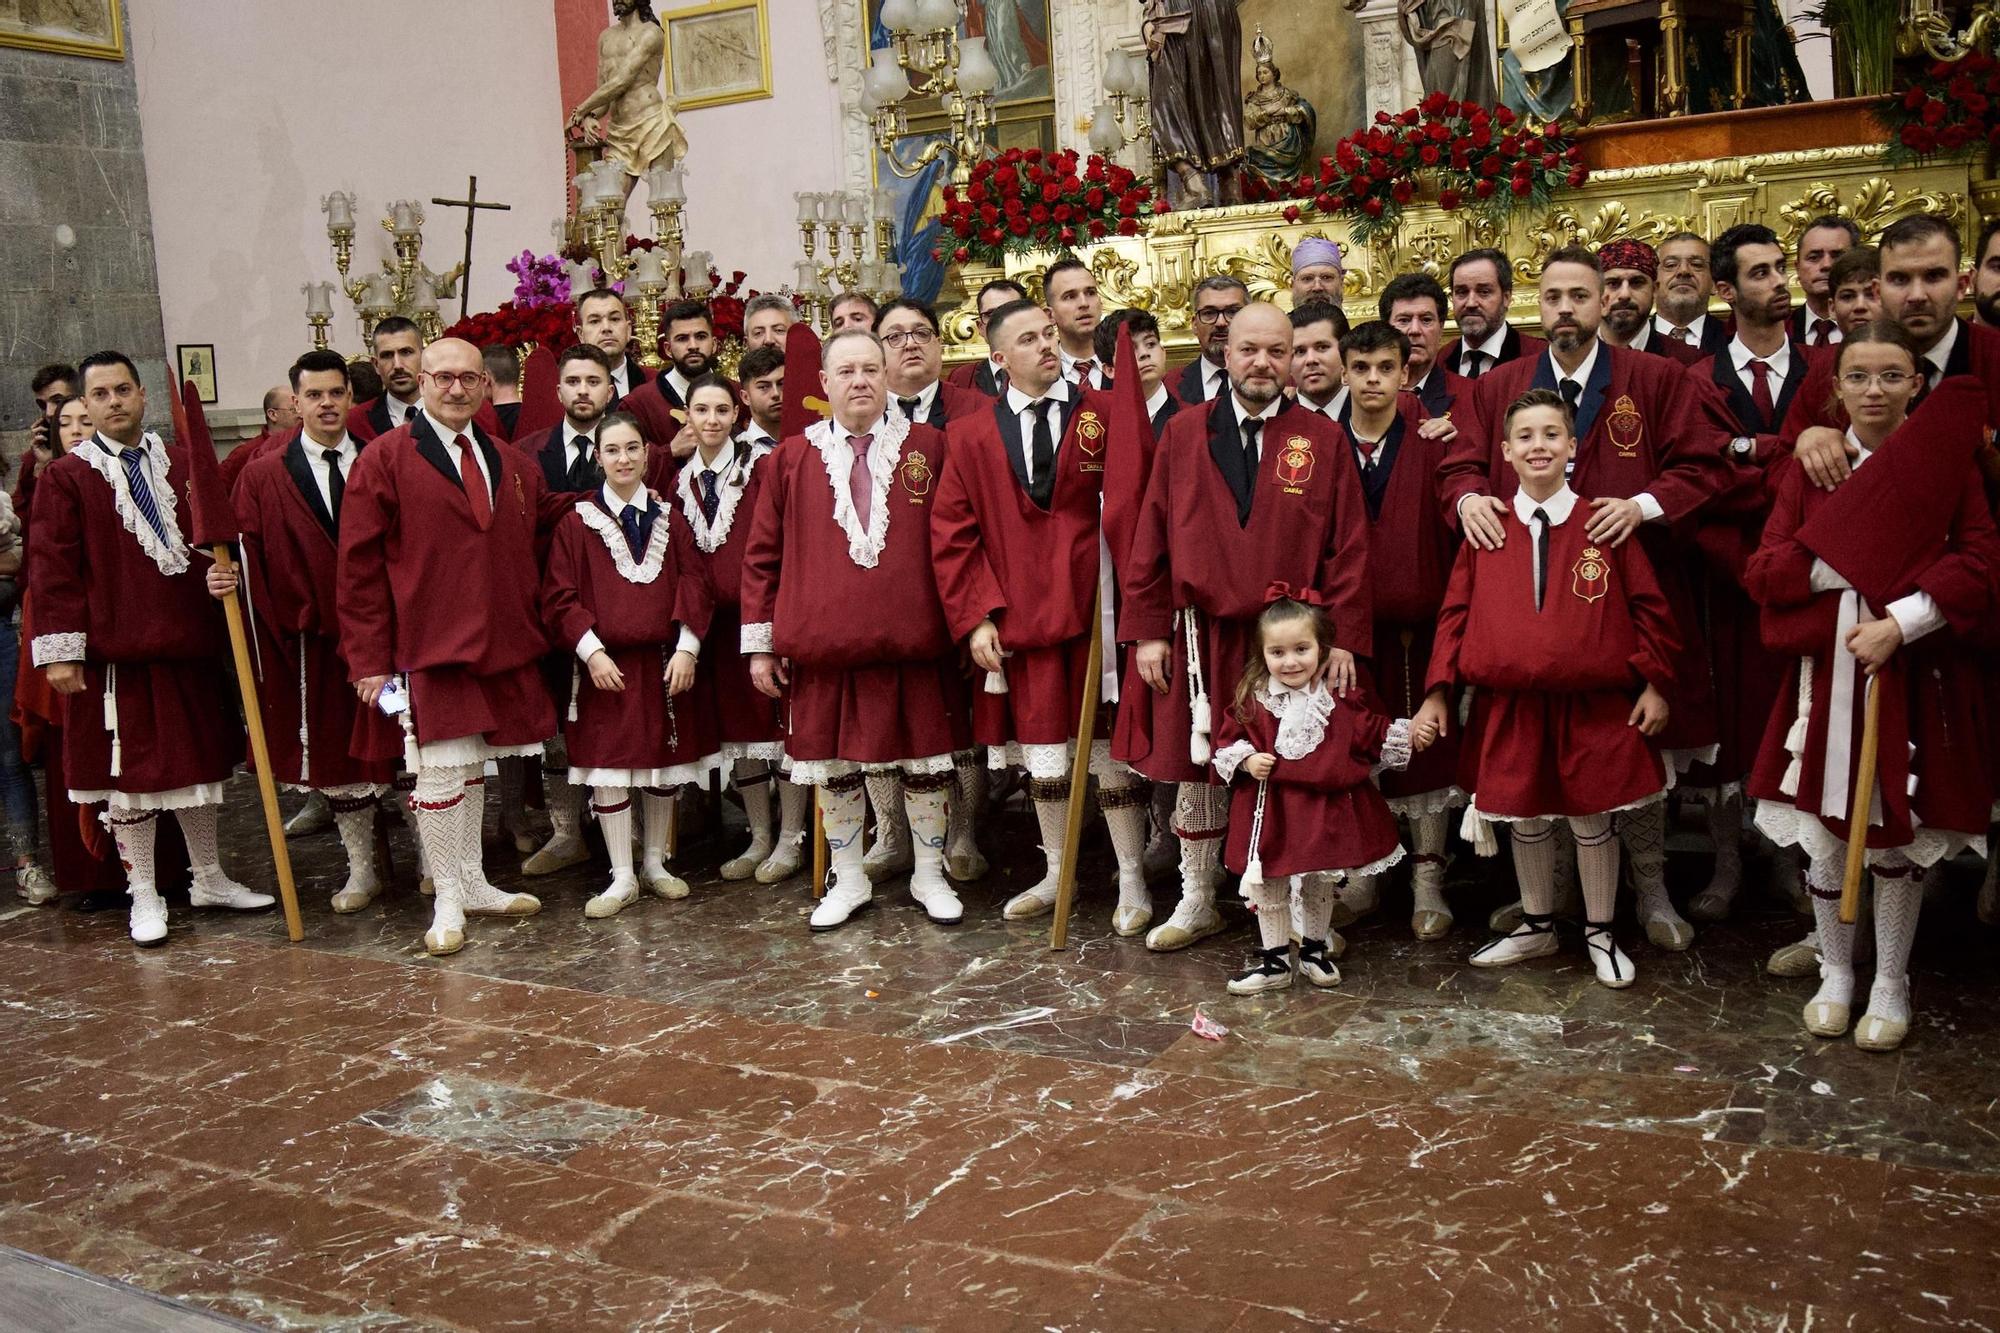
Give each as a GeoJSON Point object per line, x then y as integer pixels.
{"type": "Point", "coordinates": [690, 643]}
{"type": "Point", "coordinates": [756, 638]}
{"type": "Point", "coordinates": [588, 645]}
{"type": "Point", "coordinates": [1230, 758]}
{"type": "Point", "coordinates": [1396, 745]}
{"type": "Point", "coordinates": [53, 648]}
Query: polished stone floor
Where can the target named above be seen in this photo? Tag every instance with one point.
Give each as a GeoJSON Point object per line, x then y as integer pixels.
{"type": "Point", "coordinates": [697, 1115]}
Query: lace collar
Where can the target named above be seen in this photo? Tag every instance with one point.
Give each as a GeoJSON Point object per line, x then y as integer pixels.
{"type": "Point", "coordinates": [606, 527]}
{"type": "Point", "coordinates": [731, 480]}
{"type": "Point", "coordinates": [170, 557]}
{"type": "Point", "coordinates": [1302, 716]}
{"type": "Point", "coordinates": [864, 546]}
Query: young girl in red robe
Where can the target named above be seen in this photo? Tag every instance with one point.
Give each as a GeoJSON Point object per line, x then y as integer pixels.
{"type": "Point", "coordinates": [1935, 791]}
{"type": "Point", "coordinates": [717, 493]}
{"type": "Point", "coordinates": [626, 590]}
{"type": "Point", "coordinates": [1302, 807]}
{"type": "Point", "coordinates": [1567, 643]}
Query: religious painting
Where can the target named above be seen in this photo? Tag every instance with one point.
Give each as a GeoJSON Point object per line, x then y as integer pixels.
{"type": "Point", "coordinates": [718, 53]}
{"type": "Point", "coordinates": [1017, 42]}
{"type": "Point", "coordinates": [197, 363]}
{"type": "Point", "coordinates": [92, 28]}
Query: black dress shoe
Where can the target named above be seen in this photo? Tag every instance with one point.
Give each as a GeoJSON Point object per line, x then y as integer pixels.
{"type": "Point", "coordinates": [101, 900]}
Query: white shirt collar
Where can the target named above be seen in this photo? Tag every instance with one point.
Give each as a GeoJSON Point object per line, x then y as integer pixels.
{"type": "Point", "coordinates": [1643, 338]}
{"type": "Point", "coordinates": [1695, 326]}
{"type": "Point", "coordinates": [1582, 373]}
{"type": "Point", "coordinates": [924, 396]}
{"type": "Point", "coordinates": [1157, 401]}
{"type": "Point", "coordinates": [398, 409]}
{"type": "Point", "coordinates": [617, 507]}
{"type": "Point", "coordinates": [1940, 355]}
{"type": "Point", "coordinates": [315, 451]}
{"type": "Point", "coordinates": [1779, 361]}
{"type": "Point", "coordinates": [755, 434]}
{"type": "Point", "coordinates": [571, 435]}
{"type": "Point", "coordinates": [1210, 375]}
{"type": "Point", "coordinates": [1329, 409]}
{"type": "Point", "coordinates": [843, 434]}
{"type": "Point", "coordinates": [445, 435]}
{"type": "Point", "coordinates": [1491, 347]}
{"type": "Point", "coordinates": [1069, 362]}
{"type": "Point", "coordinates": [680, 383]}
{"type": "Point", "coordinates": [1271, 409]}
{"type": "Point", "coordinates": [1865, 452]}
{"type": "Point", "coordinates": [1557, 506]}
{"type": "Point", "coordinates": [1018, 402]}
{"type": "Point", "coordinates": [621, 375]}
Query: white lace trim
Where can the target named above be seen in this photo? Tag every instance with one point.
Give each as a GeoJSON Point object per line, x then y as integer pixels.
{"type": "Point", "coordinates": [606, 527]}
{"type": "Point", "coordinates": [1300, 728]}
{"type": "Point", "coordinates": [1230, 758]}
{"type": "Point", "coordinates": [695, 771]}
{"type": "Point", "coordinates": [769, 751]}
{"type": "Point", "coordinates": [52, 648]}
{"type": "Point", "coordinates": [814, 772]}
{"type": "Point", "coordinates": [1477, 825]}
{"type": "Point", "coordinates": [1396, 745]}
{"type": "Point", "coordinates": [1052, 761]}
{"type": "Point", "coordinates": [1426, 803]}
{"type": "Point", "coordinates": [171, 556]}
{"type": "Point", "coordinates": [731, 482]}
{"type": "Point", "coordinates": [1789, 826]}
{"type": "Point", "coordinates": [754, 638]}
{"type": "Point", "coordinates": [864, 546]}
{"type": "Point", "coordinates": [180, 798]}
{"type": "Point", "coordinates": [1394, 858]}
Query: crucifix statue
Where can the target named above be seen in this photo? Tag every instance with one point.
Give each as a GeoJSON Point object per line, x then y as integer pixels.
{"type": "Point", "coordinates": [472, 203]}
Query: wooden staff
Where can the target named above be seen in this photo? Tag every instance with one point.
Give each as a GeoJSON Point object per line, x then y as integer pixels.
{"type": "Point", "coordinates": [1079, 775]}
{"type": "Point", "coordinates": [1864, 798]}
{"type": "Point", "coordinates": [819, 848]}
{"type": "Point", "coordinates": [260, 753]}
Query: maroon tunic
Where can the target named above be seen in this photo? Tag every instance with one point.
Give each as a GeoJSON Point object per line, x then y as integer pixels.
{"type": "Point", "coordinates": [1032, 570]}
{"type": "Point", "coordinates": [292, 552]}
{"type": "Point", "coordinates": [99, 597]}
{"type": "Point", "coordinates": [747, 721]}
{"type": "Point", "coordinates": [1308, 526]}
{"type": "Point", "coordinates": [248, 452]}
{"type": "Point", "coordinates": [1932, 690]}
{"type": "Point", "coordinates": [424, 590]}
{"type": "Point", "coordinates": [594, 584]}
{"type": "Point", "coordinates": [1639, 431]}
{"type": "Point", "coordinates": [873, 676]}
{"type": "Point", "coordinates": [1550, 733]}
{"type": "Point", "coordinates": [1320, 811]}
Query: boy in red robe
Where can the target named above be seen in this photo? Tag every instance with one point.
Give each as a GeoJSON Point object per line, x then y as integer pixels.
{"type": "Point", "coordinates": [1644, 462]}
{"type": "Point", "coordinates": [841, 613]}
{"type": "Point", "coordinates": [289, 503]}
{"type": "Point", "coordinates": [1567, 642]}
{"type": "Point", "coordinates": [1019, 557]}
{"type": "Point", "coordinates": [437, 590]}
{"type": "Point", "coordinates": [127, 630]}
{"type": "Point", "coordinates": [1246, 490]}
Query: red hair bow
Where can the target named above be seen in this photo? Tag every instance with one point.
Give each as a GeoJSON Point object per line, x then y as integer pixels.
{"type": "Point", "coordinates": [1282, 591]}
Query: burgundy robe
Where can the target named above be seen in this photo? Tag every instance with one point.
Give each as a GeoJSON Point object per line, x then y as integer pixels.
{"type": "Point", "coordinates": [1032, 570]}
{"type": "Point", "coordinates": [99, 598]}
{"type": "Point", "coordinates": [291, 547]}
{"type": "Point", "coordinates": [366, 421]}
{"type": "Point", "coordinates": [747, 721]}
{"type": "Point", "coordinates": [248, 452]}
{"type": "Point", "coordinates": [1308, 526]}
{"type": "Point", "coordinates": [873, 676]}
{"type": "Point", "coordinates": [424, 590]}
{"type": "Point", "coordinates": [1320, 811]}
{"type": "Point", "coordinates": [594, 584]}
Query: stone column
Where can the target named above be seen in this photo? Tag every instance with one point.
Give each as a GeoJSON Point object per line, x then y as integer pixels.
{"type": "Point", "coordinates": [1389, 65]}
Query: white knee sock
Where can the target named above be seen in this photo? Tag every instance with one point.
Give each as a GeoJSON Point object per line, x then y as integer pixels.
{"type": "Point", "coordinates": [198, 829]}
{"type": "Point", "coordinates": [134, 832]}
{"type": "Point", "coordinates": [753, 779]}
{"type": "Point", "coordinates": [354, 817]}
{"type": "Point", "coordinates": [405, 787]}
{"type": "Point", "coordinates": [1316, 906]}
{"type": "Point", "coordinates": [1201, 817]}
{"type": "Point", "coordinates": [1596, 867]}
{"type": "Point", "coordinates": [473, 812]}
{"type": "Point", "coordinates": [613, 808]}
{"type": "Point", "coordinates": [450, 834]}
{"type": "Point", "coordinates": [841, 816]}
{"type": "Point", "coordinates": [1899, 896]}
{"type": "Point", "coordinates": [1644, 832]}
{"type": "Point", "coordinates": [968, 794]}
{"type": "Point", "coordinates": [1427, 836]}
{"type": "Point", "coordinates": [885, 798]}
{"type": "Point", "coordinates": [1535, 865]}
{"type": "Point", "coordinates": [564, 798]}
{"type": "Point", "coordinates": [794, 810]}
{"type": "Point", "coordinates": [1124, 805]}
{"type": "Point", "coordinates": [1051, 801]}
{"type": "Point", "coordinates": [928, 807]}
{"type": "Point", "coordinates": [1836, 941]}
{"type": "Point", "coordinates": [1273, 900]}
{"type": "Point", "coordinates": [658, 807]}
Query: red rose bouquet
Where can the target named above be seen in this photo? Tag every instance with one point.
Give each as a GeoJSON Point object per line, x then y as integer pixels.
{"type": "Point", "coordinates": [1025, 199]}
{"type": "Point", "coordinates": [1949, 106]}
{"type": "Point", "coordinates": [1482, 158]}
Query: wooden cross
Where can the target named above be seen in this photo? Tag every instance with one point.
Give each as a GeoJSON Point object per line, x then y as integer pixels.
{"type": "Point", "coordinates": [472, 203]}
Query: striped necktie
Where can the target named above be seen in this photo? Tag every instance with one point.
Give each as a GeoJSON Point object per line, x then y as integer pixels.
{"type": "Point", "coordinates": [134, 460]}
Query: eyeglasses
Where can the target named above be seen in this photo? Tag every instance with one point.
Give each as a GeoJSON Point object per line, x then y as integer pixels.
{"type": "Point", "coordinates": [446, 379]}
{"type": "Point", "coordinates": [1211, 314]}
{"type": "Point", "coordinates": [1857, 381]}
{"type": "Point", "coordinates": [909, 338]}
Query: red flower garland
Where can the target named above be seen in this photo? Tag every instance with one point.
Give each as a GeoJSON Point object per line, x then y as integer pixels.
{"type": "Point", "coordinates": [1484, 158]}
{"type": "Point", "coordinates": [1951, 105]}
{"type": "Point", "coordinates": [1025, 199]}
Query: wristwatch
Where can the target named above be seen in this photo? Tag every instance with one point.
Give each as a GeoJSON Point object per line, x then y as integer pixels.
{"type": "Point", "coordinates": [1743, 446]}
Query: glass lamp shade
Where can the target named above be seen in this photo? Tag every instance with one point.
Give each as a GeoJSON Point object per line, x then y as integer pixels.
{"type": "Point", "coordinates": [885, 78]}
{"type": "Point", "coordinates": [1105, 136]}
{"type": "Point", "coordinates": [899, 15]}
{"type": "Point", "coordinates": [339, 207]}
{"type": "Point", "coordinates": [937, 15]}
{"type": "Point", "coordinates": [976, 75]}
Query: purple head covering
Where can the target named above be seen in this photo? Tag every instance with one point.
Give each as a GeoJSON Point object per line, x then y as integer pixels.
{"type": "Point", "coordinates": [1316, 250]}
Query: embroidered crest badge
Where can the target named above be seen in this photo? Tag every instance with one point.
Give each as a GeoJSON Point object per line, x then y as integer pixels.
{"type": "Point", "coordinates": [916, 472]}
{"type": "Point", "coordinates": [1626, 427]}
{"type": "Point", "coordinates": [1590, 577]}
{"type": "Point", "coordinates": [1295, 464]}
{"type": "Point", "coordinates": [1089, 432]}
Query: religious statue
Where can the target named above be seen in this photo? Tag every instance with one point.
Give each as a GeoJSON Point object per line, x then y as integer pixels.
{"type": "Point", "coordinates": [1454, 50]}
{"type": "Point", "coordinates": [1196, 51]}
{"type": "Point", "coordinates": [1536, 79]}
{"type": "Point", "coordinates": [1278, 124]}
{"type": "Point", "coordinates": [626, 115]}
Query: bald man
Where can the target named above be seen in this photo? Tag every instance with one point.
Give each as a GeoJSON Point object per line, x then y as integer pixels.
{"type": "Point", "coordinates": [437, 585]}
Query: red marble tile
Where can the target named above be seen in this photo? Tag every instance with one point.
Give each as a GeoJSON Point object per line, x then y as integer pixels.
{"type": "Point", "coordinates": [966, 1288]}
{"type": "Point", "coordinates": [690, 1089]}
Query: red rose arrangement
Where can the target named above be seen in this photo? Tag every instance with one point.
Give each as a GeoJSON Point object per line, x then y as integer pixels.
{"type": "Point", "coordinates": [1950, 105]}
{"type": "Point", "coordinates": [1483, 158]}
{"type": "Point", "coordinates": [1025, 199]}
{"type": "Point", "coordinates": [550, 326]}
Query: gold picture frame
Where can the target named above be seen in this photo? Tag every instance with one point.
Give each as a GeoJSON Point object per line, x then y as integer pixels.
{"type": "Point", "coordinates": [196, 361]}
{"type": "Point", "coordinates": [37, 25]}
{"type": "Point", "coordinates": [717, 53]}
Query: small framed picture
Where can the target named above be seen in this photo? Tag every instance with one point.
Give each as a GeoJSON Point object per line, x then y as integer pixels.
{"type": "Point", "coordinates": [717, 53]}
{"type": "Point", "coordinates": [197, 363]}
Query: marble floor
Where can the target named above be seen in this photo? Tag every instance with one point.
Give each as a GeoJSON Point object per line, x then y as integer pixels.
{"type": "Point", "coordinates": [697, 1115]}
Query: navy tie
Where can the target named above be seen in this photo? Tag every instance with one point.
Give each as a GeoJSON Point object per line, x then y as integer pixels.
{"type": "Point", "coordinates": [142, 494]}
{"type": "Point", "coordinates": [630, 521]}
{"type": "Point", "coordinates": [336, 485]}
{"type": "Point", "coordinates": [708, 497]}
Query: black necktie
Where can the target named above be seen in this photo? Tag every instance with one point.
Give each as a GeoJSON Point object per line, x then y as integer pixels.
{"type": "Point", "coordinates": [336, 485]}
{"type": "Point", "coordinates": [1252, 430]}
{"type": "Point", "coordinates": [1541, 516]}
{"type": "Point", "coordinates": [409, 414]}
{"type": "Point", "coordinates": [629, 520]}
{"type": "Point", "coordinates": [1041, 455]}
{"type": "Point", "coordinates": [909, 406]}
{"type": "Point", "coordinates": [708, 498]}
{"type": "Point", "coordinates": [1572, 393]}
{"type": "Point", "coordinates": [1475, 362]}
{"type": "Point", "coordinates": [581, 473]}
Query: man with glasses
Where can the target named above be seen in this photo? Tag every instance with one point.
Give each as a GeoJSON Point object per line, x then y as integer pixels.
{"type": "Point", "coordinates": [984, 374]}
{"type": "Point", "coordinates": [1076, 307]}
{"type": "Point", "coordinates": [909, 333]}
{"type": "Point", "coordinates": [1681, 299]}
{"type": "Point", "coordinates": [131, 636]}
{"type": "Point", "coordinates": [1217, 301]}
{"type": "Point", "coordinates": [437, 597]}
